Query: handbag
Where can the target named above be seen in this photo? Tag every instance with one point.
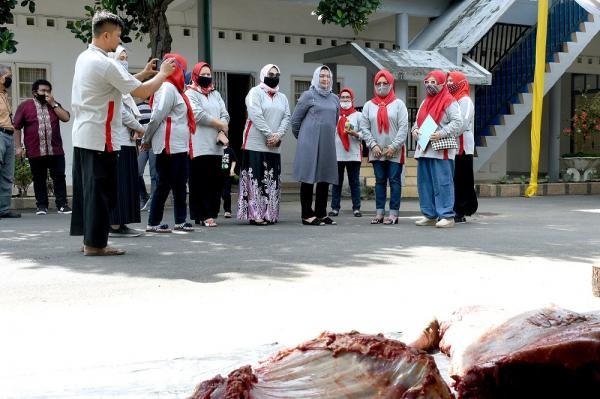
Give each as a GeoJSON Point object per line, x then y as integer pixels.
{"type": "Point", "coordinates": [444, 143]}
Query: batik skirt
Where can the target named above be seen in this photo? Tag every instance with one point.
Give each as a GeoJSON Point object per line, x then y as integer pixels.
{"type": "Point", "coordinates": [259, 191]}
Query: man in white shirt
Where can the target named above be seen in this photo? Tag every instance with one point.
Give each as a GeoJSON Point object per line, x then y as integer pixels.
{"type": "Point", "coordinates": [98, 83]}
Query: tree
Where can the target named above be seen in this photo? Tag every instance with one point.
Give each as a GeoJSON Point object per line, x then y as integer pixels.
{"type": "Point", "coordinates": [8, 44]}
{"type": "Point", "coordinates": [347, 12]}
{"type": "Point", "coordinates": [141, 17]}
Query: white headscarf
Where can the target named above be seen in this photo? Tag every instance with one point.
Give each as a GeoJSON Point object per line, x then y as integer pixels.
{"type": "Point", "coordinates": [127, 98]}
{"type": "Point", "coordinates": [264, 72]}
{"type": "Point", "coordinates": [315, 81]}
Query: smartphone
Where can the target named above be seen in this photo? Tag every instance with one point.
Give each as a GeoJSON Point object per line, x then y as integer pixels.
{"type": "Point", "coordinates": [157, 64]}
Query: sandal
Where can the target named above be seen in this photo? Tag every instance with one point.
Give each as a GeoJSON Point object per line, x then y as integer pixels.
{"type": "Point", "coordinates": [106, 251]}
{"type": "Point", "coordinates": [391, 220]}
{"type": "Point", "coordinates": [328, 220]}
{"type": "Point", "coordinates": [210, 222]}
{"type": "Point", "coordinates": [377, 220]}
{"type": "Point", "coordinates": [258, 222]}
{"type": "Point", "coordinates": [183, 227]}
{"type": "Point", "coordinates": [315, 222]}
{"type": "Point", "coordinates": [162, 228]}
{"type": "Point", "coordinates": [227, 215]}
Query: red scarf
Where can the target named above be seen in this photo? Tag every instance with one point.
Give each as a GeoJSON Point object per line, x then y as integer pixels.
{"type": "Point", "coordinates": [435, 105]}
{"type": "Point", "coordinates": [383, 121]}
{"type": "Point", "coordinates": [196, 74]}
{"type": "Point", "coordinates": [344, 113]}
{"type": "Point", "coordinates": [459, 79]}
{"type": "Point", "coordinates": [177, 79]}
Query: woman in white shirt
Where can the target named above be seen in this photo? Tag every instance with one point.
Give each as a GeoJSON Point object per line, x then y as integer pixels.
{"type": "Point", "coordinates": [267, 123]}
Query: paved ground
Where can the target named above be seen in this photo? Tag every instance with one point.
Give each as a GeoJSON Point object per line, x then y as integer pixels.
{"type": "Point", "coordinates": [180, 308]}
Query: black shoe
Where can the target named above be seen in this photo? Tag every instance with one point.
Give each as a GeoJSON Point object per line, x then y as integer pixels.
{"type": "Point", "coordinates": [66, 209]}
{"type": "Point", "coordinates": [10, 215]}
{"type": "Point", "coordinates": [41, 211]}
{"type": "Point", "coordinates": [460, 219]}
{"type": "Point", "coordinates": [328, 220]}
{"type": "Point", "coordinates": [315, 222]}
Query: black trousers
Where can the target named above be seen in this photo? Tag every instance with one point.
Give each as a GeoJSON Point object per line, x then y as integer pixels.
{"type": "Point", "coordinates": [206, 187]}
{"type": "Point", "coordinates": [226, 193]}
{"type": "Point", "coordinates": [306, 200]}
{"type": "Point", "coordinates": [40, 166]}
{"type": "Point", "coordinates": [94, 194]}
{"type": "Point", "coordinates": [465, 197]}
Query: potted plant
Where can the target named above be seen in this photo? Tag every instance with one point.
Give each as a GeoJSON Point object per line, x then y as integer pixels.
{"type": "Point", "coordinates": [583, 162]}
{"type": "Point", "coordinates": [23, 177]}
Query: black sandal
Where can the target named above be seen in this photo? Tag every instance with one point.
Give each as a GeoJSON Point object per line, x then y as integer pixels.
{"type": "Point", "coordinates": [315, 222]}
{"type": "Point", "coordinates": [377, 220]}
{"type": "Point", "coordinates": [328, 220]}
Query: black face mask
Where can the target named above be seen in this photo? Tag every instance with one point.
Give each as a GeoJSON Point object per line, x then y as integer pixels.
{"type": "Point", "coordinates": [271, 82]}
{"type": "Point", "coordinates": [204, 81]}
{"type": "Point", "coordinates": [41, 98]}
{"type": "Point", "coordinates": [7, 82]}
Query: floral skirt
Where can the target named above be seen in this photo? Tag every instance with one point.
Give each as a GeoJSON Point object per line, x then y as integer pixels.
{"type": "Point", "coordinates": [259, 187]}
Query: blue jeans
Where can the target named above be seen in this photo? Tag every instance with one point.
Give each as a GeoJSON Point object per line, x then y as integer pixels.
{"type": "Point", "coordinates": [436, 187]}
{"type": "Point", "coordinates": [147, 157]}
{"type": "Point", "coordinates": [7, 170]}
{"type": "Point", "coordinates": [353, 168]}
{"type": "Point", "coordinates": [387, 171]}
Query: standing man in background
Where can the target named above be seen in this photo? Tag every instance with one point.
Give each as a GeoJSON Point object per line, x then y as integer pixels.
{"type": "Point", "coordinates": [98, 84]}
{"type": "Point", "coordinates": [7, 145]}
{"type": "Point", "coordinates": [39, 118]}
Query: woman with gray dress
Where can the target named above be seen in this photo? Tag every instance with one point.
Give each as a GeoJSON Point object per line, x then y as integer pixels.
{"type": "Point", "coordinates": [314, 123]}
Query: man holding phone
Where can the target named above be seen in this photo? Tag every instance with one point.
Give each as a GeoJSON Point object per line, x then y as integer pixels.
{"type": "Point", "coordinates": [39, 118]}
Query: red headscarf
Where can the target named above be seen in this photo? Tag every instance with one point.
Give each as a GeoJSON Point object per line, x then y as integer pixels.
{"type": "Point", "coordinates": [435, 105]}
{"type": "Point", "coordinates": [196, 74]}
{"type": "Point", "coordinates": [383, 121]}
{"type": "Point", "coordinates": [177, 79]}
{"type": "Point", "coordinates": [344, 113]}
{"type": "Point", "coordinates": [459, 80]}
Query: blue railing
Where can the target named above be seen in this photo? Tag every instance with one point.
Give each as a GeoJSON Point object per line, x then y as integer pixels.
{"type": "Point", "coordinates": [515, 71]}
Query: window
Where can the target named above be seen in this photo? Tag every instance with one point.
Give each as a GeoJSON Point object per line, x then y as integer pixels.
{"type": "Point", "coordinates": [287, 40]}
{"type": "Point", "coordinates": [271, 38]}
{"type": "Point", "coordinates": [302, 40]}
{"type": "Point", "coordinates": [238, 36]}
{"type": "Point", "coordinates": [411, 97]}
{"type": "Point", "coordinates": [30, 21]}
{"type": "Point", "coordinates": [187, 32]}
{"type": "Point", "coordinates": [255, 37]}
{"type": "Point", "coordinates": [50, 23]}
{"type": "Point", "coordinates": [25, 76]}
{"type": "Point", "coordinates": [334, 43]}
{"type": "Point", "coordinates": [319, 42]}
{"type": "Point", "coordinates": [300, 86]}
{"type": "Point", "coordinates": [70, 24]}
{"type": "Point", "coordinates": [221, 34]}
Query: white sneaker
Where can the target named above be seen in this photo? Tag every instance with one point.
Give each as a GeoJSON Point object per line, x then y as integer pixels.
{"type": "Point", "coordinates": [443, 223]}
{"type": "Point", "coordinates": [424, 221]}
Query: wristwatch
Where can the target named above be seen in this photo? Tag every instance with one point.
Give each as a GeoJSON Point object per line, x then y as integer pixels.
{"type": "Point", "coordinates": [55, 105]}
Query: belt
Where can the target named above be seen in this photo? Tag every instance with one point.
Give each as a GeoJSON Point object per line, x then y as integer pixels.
{"type": "Point", "coordinates": [7, 131]}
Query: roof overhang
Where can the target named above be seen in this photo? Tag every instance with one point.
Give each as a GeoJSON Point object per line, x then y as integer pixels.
{"type": "Point", "coordinates": [409, 65]}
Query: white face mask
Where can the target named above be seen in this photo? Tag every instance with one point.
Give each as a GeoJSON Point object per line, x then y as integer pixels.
{"type": "Point", "coordinates": [346, 104]}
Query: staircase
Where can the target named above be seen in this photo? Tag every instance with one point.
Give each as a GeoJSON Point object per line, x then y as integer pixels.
{"type": "Point", "coordinates": [409, 185]}
{"type": "Point", "coordinates": [502, 107]}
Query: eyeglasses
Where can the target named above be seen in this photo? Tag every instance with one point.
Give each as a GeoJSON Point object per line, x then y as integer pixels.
{"type": "Point", "coordinates": [382, 84]}
{"type": "Point", "coordinates": [431, 82]}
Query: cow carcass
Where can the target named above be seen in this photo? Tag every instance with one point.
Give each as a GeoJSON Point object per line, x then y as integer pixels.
{"type": "Point", "coordinates": [544, 353]}
{"type": "Point", "coordinates": [332, 366]}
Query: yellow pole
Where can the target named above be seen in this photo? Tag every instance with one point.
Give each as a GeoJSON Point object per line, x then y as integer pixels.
{"type": "Point", "coordinates": [538, 94]}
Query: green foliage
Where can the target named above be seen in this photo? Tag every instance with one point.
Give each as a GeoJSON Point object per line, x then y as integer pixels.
{"type": "Point", "coordinates": [347, 12]}
{"type": "Point", "coordinates": [139, 16]}
{"type": "Point", "coordinates": [23, 176]}
{"type": "Point", "coordinates": [7, 42]}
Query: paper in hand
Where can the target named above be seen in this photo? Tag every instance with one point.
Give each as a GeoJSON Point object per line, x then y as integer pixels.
{"type": "Point", "coordinates": [426, 130]}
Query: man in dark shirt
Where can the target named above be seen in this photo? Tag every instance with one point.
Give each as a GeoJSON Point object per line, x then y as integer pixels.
{"type": "Point", "coordinates": [39, 118]}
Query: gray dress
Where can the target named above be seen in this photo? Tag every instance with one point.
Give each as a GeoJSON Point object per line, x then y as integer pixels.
{"type": "Point", "coordinates": [314, 124]}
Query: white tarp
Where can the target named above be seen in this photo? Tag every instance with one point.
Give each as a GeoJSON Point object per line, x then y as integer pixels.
{"type": "Point", "coordinates": [592, 6]}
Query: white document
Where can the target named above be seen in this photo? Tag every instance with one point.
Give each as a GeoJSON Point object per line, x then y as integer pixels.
{"type": "Point", "coordinates": [426, 130]}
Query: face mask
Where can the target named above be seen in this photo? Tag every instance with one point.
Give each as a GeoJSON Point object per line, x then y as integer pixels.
{"type": "Point", "coordinates": [432, 90]}
{"type": "Point", "coordinates": [204, 81]}
{"type": "Point", "coordinates": [346, 104]}
{"type": "Point", "coordinates": [383, 90]}
{"type": "Point", "coordinates": [454, 87]}
{"type": "Point", "coordinates": [7, 82]}
{"type": "Point", "coordinates": [41, 98]}
{"type": "Point", "coordinates": [125, 64]}
{"type": "Point", "coordinates": [271, 82]}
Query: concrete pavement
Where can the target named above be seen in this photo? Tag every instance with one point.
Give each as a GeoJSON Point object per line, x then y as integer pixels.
{"type": "Point", "coordinates": [180, 308]}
